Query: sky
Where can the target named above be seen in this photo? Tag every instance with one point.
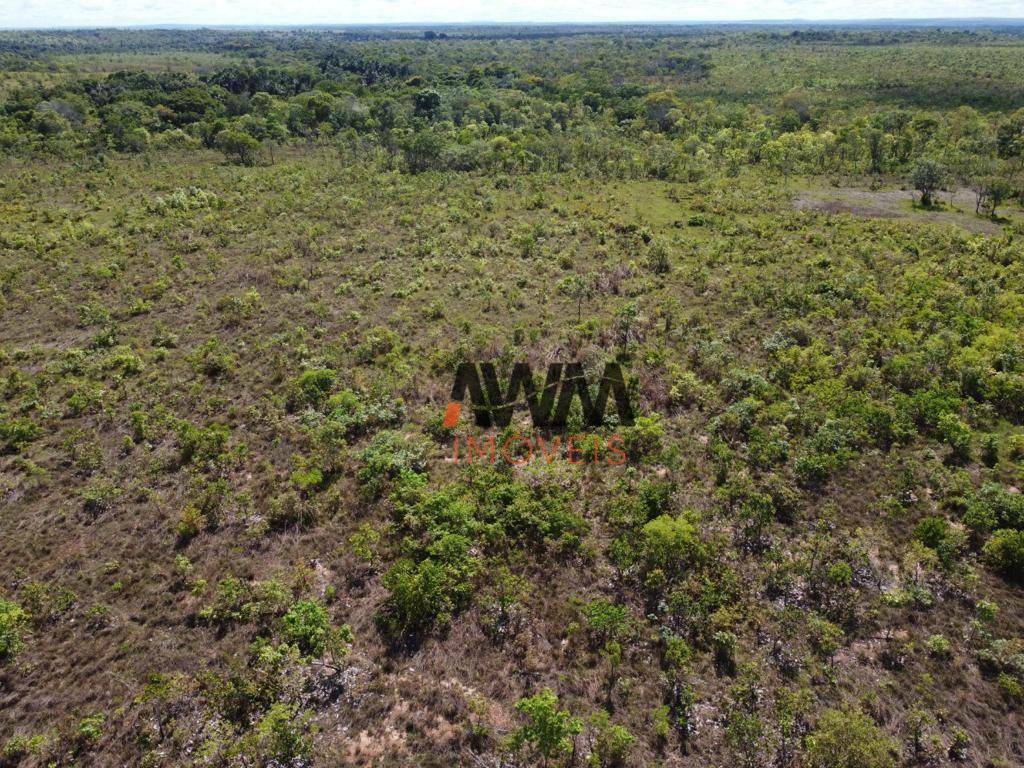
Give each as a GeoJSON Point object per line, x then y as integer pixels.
{"type": "Point", "coordinates": [107, 13]}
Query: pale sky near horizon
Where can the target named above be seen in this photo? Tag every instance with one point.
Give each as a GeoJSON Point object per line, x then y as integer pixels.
{"type": "Point", "coordinates": [105, 13]}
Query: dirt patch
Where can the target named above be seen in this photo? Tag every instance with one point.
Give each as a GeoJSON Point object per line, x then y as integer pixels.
{"type": "Point", "coordinates": [957, 207]}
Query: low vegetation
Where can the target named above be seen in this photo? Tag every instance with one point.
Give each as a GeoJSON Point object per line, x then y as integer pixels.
{"type": "Point", "coordinates": [238, 270]}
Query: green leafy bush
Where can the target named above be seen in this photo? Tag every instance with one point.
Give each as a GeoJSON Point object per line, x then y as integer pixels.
{"type": "Point", "coordinates": [388, 456]}
{"type": "Point", "coordinates": [201, 444]}
{"type": "Point", "coordinates": [612, 743]}
{"type": "Point", "coordinates": [849, 739]}
{"type": "Point", "coordinates": [307, 625]}
{"type": "Point", "coordinates": [310, 388]}
{"type": "Point", "coordinates": [549, 731]}
{"type": "Point", "coordinates": [13, 621]}
{"type": "Point", "coordinates": [429, 592]}
{"type": "Point", "coordinates": [15, 434]}
{"type": "Point", "coordinates": [670, 544]}
{"type": "Point", "coordinates": [1004, 551]}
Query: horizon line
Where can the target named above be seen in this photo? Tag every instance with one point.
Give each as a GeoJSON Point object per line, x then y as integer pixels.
{"type": "Point", "coordinates": [889, 20]}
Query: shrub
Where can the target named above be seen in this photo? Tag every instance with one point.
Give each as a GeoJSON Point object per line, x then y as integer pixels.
{"type": "Point", "coordinates": [939, 647]}
{"type": "Point", "coordinates": [825, 637]}
{"type": "Point", "coordinates": [643, 438]}
{"type": "Point", "coordinates": [190, 524]}
{"type": "Point", "coordinates": [228, 602]}
{"type": "Point", "coordinates": [238, 147]}
{"type": "Point", "coordinates": [310, 388]}
{"type": "Point", "coordinates": [986, 610]}
{"type": "Point", "coordinates": [355, 415]}
{"type": "Point", "coordinates": [281, 736]}
{"type": "Point", "coordinates": [550, 731]}
{"type": "Point", "coordinates": [288, 510]}
{"type": "Point", "coordinates": [201, 444]}
{"type": "Point", "coordinates": [685, 388]}
{"type": "Point", "coordinates": [662, 721]}
{"type": "Point", "coordinates": [671, 543]}
{"type": "Point", "coordinates": [724, 645]}
{"type": "Point", "coordinates": [849, 739]}
{"type": "Point", "coordinates": [44, 603]}
{"type": "Point", "coordinates": [658, 258]}
{"type": "Point", "coordinates": [308, 626]}
{"type": "Point", "coordinates": [1011, 687]}
{"type": "Point", "coordinates": [611, 743]}
{"type": "Point", "coordinates": [364, 543]}
{"type": "Point", "coordinates": [606, 620]}
{"type": "Point", "coordinates": [429, 592]}
{"type": "Point", "coordinates": [90, 729]}
{"type": "Point", "coordinates": [19, 747]}
{"type": "Point", "coordinates": [213, 358]}
{"type": "Point", "coordinates": [1015, 447]}
{"type": "Point", "coordinates": [936, 533]}
{"type": "Point", "coordinates": [15, 434]}
{"type": "Point", "coordinates": [926, 177]}
{"type": "Point", "coordinates": [389, 455]}
{"type": "Point", "coordinates": [956, 434]}
{"type": "Point", "coordinates": [12, 626]}
{"type": "Point", "coordinates": [1004, 551]}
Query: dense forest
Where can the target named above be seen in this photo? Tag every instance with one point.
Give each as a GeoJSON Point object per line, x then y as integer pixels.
{"type": "Point", "coordinates": [239, 269]}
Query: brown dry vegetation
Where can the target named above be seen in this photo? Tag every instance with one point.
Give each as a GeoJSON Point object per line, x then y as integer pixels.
{"type": "Point", "coordinates": [222, 389]}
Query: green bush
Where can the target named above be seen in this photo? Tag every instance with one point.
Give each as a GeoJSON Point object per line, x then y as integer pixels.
{"type": "Point", "coordinates": [643, 438]}
{"type": "Point", "coordinates": [12, 626]}
{"type": "Point", "coordinates": [939, 647]}
{"type": "Point", "coordinates": [549, 731]}
{"type": "Point", "coordinates": [307, 625]}
{"type": "Point", "coordinates": [15, 434]}
{"type": "Point", "coordinates": [429, 593]}
{"type": "Point", "coordinates": [606, 620]}
{"type": "Point", "coordinates": [936, 533]}
{"type": "Point", "coordinates": [612, 743]}
{"type": "Point", "coordinates": [239, 147]}
{"type": "Point", "coordinates": [282, 737]}
{"type": "Point", "coordinates": [1004, 551]}
{"type": "Point", "coordinates": [670, 544]}
{"type": "Point", "coordinates": [825, 637]}
{"type": "Point", "coordinates": [956, 434]}
{"type": "Point", "coordinates": [388, 456]}
{"type": "Point", "coordinates": [310, 388]}
{"type": "Point", "coordinates": [201, 444]}
{"type": "Point", "coordinates": [849, 739]}
{"type": "Point", "coordinates": [356, 415]}
{"type": "Point", "coordinates": [90, 730]}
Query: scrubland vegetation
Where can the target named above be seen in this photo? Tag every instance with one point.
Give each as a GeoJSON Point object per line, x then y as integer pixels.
{"type": "Point", "coordinates": [239, 269]}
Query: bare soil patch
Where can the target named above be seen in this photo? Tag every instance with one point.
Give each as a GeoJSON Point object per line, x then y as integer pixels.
{"type": "Point", "coordinates": [956, 207]}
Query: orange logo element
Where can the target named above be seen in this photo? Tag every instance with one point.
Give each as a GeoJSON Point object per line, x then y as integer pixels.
{"type": "Point", "coordinates": [451, 415]}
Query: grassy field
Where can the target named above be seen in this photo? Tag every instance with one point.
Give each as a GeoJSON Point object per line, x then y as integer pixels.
{"type": "Point", "coordinates": [231, 530]}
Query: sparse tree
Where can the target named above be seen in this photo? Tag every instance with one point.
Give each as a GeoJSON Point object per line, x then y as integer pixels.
{"type": "Point", "coordinates": [927, 177]}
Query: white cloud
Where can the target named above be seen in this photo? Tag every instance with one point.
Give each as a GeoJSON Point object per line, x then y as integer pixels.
{"type": "Point", "coordinates": [55, 13]}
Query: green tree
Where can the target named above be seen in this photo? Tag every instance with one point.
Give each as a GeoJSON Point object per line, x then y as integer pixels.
{"type": "Point", "coordinates": [422, 150]}
{"type": "Point", "coordinates": [577, 288]}
{"type": "Point", "coordinates": [670, 543]}
{"type": "Point", "coordinates": [426, 103]}
{"type": "Point", "coordinates": [1010, 136]}
{"type": "Point", "coordinates": [238, 146]}
{"type": "Point", "coordinates": [927, 177]}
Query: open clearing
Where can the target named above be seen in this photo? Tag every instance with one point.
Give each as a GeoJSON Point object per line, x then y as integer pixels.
{"type": "Point", "coordinates": [954, 207]}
